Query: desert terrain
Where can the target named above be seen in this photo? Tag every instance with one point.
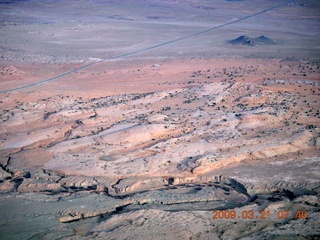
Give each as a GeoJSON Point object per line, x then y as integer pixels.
{"type": "Point", "coordinates": [129, 120]}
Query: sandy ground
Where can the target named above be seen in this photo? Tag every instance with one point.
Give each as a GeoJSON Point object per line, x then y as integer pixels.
{"type": "Point", "coordinates": [156, 144]}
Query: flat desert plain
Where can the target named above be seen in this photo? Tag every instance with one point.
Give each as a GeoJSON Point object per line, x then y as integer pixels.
{"type": "Point", "coordinates": [159, 119]}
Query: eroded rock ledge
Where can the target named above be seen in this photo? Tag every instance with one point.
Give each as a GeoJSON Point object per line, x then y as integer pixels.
{"type": "Point", "coordinates": [105, 165]}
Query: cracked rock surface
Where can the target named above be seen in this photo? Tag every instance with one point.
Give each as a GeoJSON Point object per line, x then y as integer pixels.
{"type": "Point", "coordinates": [135, 175]}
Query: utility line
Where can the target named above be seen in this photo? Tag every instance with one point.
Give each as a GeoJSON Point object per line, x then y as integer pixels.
{"type": "Point", "coordinates": [144, 49]}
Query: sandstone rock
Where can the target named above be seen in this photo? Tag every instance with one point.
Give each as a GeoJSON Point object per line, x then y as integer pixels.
{"type": "Point", "coordinates": [45, 176]}
{"type": "Point", "coordinates": [79, 182]}
{"type": "Point", "coordinates": [4, 175]}
{"type": "Point", "coordinates": [22, 173]}
{"type": "Point", "coordinates": [67, 219]}
{"type": "Point", "coordinates": [134, 184]}
{"type": "Point", "coordinates": [157, 118]}
{"type": "Point", "coordinates": [32, 185]}
{"type": "Point", "coordinates": [7, 186]}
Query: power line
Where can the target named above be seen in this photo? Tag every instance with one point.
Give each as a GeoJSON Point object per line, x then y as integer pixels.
{"type": "Point", "coordinates": [144, 49]}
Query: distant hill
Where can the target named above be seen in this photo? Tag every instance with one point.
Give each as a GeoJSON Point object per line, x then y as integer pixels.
{"type": "Point", "coordinates": [248, 41]}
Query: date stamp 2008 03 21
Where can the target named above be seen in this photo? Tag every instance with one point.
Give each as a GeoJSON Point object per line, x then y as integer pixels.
{"type": "Point", "coordinates": [263, 215]}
